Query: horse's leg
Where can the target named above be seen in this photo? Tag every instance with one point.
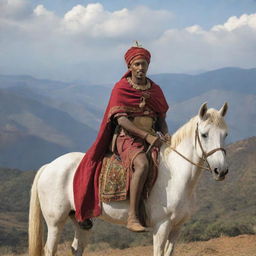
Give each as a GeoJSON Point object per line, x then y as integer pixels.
{"type": "Point", "coordinates": [172, 238]}
{"type": "Point", "coordinates": [53, 236]}
{"type": "Point", "coordinates": [160, 235]}
{"type": "Point", "coordinates": [80, 239]}
{"type": "Point", "coordinates": [55, 215]}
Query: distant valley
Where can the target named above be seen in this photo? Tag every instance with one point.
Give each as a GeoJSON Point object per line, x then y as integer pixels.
{"type": "Point", "coordinates": [42, 119]}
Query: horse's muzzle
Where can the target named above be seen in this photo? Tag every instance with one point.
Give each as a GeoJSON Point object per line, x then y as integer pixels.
{"type": "Point", "coordinates": [219, 175]}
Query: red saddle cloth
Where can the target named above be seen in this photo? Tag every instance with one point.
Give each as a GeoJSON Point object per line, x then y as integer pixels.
{"type": "Point", "coordinates": [115, 179]}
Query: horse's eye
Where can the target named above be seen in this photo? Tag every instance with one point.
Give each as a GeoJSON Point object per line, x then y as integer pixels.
{"type": "Point", "coordinates": [226, 134]}
{"type": "Point", "coordinates": [204, 135]}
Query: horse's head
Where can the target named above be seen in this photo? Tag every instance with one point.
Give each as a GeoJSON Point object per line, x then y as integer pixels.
{"type": "Point", "coordinates": [210, 139]}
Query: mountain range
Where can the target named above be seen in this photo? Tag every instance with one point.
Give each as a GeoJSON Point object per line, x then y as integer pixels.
{"type": "Point", "coordinates": [42, 119]}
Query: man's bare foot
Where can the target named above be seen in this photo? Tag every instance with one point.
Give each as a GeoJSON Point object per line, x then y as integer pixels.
{"type": "Point", "coordinates": [134, 225]}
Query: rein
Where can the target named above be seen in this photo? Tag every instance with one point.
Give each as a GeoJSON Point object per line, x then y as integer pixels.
{"type": "Point", "coordinates": [204, 154]}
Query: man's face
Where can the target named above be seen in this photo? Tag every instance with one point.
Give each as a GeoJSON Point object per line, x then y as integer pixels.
{"type": "Point", "coordinates": [139, 68]}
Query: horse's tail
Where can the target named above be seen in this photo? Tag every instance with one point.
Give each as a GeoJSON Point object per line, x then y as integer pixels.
{"type": "Point", "coordinates": [35, 226]}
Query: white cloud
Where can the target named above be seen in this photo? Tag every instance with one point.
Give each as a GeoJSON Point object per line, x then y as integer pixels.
{"type": "Point", "coordinates": [13, 8]}
{"type": "Point", "coordinates": [84, 17]}
{"type": "Point", "coordinates": [234, 23]}
{"type": "Point", "coordinates": [229, 44]}
{"type": "Point", "coordinates": [41, 11]}
{"type": "Point", "coordinates": [194, 29]}
{"type": "Point", "coordinates": [97, 22]}
{"type": "Point", "coordinates": [89, 40]}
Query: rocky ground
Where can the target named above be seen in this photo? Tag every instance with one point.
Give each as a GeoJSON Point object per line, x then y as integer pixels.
{"type": "Point", "coordinates": [244, 245]}
{"type": "Point", "coordinates": [225, 246]}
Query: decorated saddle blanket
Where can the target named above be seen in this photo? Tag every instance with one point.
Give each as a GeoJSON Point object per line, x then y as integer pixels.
{"type": "Point", "coordinates": [115, 179]}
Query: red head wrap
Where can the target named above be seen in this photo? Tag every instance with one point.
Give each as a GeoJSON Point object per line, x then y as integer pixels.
{"type": "Point", "coordinates": [135, 53]}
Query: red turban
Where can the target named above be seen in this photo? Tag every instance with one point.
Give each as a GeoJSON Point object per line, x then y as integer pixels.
{"type": "Point", "coordinates": [135, 53]}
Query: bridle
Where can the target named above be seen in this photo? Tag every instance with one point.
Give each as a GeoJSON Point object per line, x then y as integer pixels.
{"type": "Point", "coordinates": [204, 154]}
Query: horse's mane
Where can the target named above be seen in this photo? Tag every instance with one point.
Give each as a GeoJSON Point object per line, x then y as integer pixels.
{"type": "Point", "coordinates": [188, 129]}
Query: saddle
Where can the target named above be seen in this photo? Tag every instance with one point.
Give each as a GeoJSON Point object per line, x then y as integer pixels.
{"type": "Point", "coordinates": [114, 180]}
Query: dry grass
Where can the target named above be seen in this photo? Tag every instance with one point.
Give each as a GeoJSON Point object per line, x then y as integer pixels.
{"type": "Point", "coordinates": [244, 245]}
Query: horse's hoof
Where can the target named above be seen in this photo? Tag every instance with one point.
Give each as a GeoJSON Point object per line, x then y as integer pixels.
{"type": "Point", "coordinates": [87, 224]}
{"type": "Point", "coordinates": [73, 250]}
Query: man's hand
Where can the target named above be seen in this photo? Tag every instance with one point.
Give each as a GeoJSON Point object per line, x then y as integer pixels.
{"type": "Point", "coordinates": [153, 140]}
{"type": "Point", "coordinates": [168, 137]}
{"type": "Point", "coordinates": [165, 138]}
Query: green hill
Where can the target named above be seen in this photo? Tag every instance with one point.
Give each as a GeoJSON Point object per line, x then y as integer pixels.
{"type": "Point", "coordinates": [227, 208]}
{"type": "Point", "coordinates": [224, 208]}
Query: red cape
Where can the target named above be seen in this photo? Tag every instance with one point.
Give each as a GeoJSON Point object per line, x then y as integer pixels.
{"type": "Point", "coordinates": [124, 98]}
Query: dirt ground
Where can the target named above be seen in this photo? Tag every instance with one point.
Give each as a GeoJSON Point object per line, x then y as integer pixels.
{"type": "Point", "coordinates": [244, 245]}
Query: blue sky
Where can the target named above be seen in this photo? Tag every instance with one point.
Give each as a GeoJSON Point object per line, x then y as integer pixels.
{"type": "Point", "coordinates": [204, 12]}
{"type": "Point", "coordinates": [78, 40]}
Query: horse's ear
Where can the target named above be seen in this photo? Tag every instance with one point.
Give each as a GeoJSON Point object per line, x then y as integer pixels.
{"type": "Point", "coordinates": [224, 109]}
{"type": "Point", "coordinates": [202, 111]}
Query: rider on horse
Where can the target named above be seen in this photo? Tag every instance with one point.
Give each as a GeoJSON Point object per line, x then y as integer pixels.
{"type": "Point", "coordinates": [136, 110]}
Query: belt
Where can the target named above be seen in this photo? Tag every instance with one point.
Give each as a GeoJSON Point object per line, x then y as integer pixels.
{"type": "Point", "coordinates": [145, 123]}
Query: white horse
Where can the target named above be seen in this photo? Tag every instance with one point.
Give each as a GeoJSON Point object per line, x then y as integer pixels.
{"type": "Point", "coordinates": [171, 200]}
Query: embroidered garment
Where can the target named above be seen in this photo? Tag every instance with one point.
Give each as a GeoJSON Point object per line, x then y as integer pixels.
{"type": "Point", "coordinates": [124, 99]}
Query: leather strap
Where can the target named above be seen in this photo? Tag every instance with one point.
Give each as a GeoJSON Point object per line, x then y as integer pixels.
{"type": "Point", "coordinates": [204, 154]}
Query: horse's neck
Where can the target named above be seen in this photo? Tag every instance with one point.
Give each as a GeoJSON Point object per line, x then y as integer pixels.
{"type": "Point", "coordinates": [182, 176]}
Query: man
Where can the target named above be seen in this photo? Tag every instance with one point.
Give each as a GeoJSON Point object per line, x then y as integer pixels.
{"type": "Point", "coordinates": [136, 110]}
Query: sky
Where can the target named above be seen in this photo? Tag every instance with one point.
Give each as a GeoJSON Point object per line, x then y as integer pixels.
{"type": "Point", "coordinates": [78, 40]}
